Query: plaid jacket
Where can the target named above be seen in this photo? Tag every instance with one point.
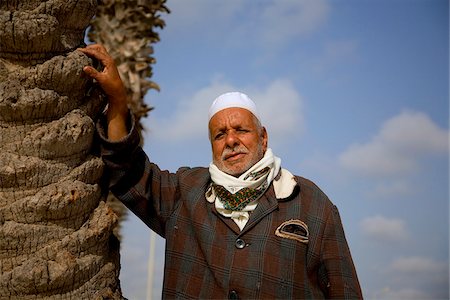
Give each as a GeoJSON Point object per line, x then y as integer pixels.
{"type": "Point", "coordinates": [208, 257]}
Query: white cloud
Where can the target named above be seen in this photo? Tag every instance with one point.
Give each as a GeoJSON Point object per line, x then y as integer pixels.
{"type": "Point", "coordinates": [335, 52]}
{"type": "Point", "coordinates": [406, 293]}
{"type": "Point", "coordinates": [384, 229]}
{"type": "Point", "coordinates": [283, 20]}
{"type": "Point", "coordinates": [397, 148]}
{"type": "Point", "coordinates": [417, 264]}
{"type": "Point", "coordinates": [269, 23]}
{"type": "Point", "coordinates": [185, 15]}
{"type": "Point", "coordinates": [393, 188]}
{"type": "Point", "coordinates": [279, 105]}
{"type": "Point", "coordinates": [281, 109]}
{"type": "Point", "coordinates": [412, 277]}
{"type": "Point", "coordinates": [417, 277]}
{"type": "Point", "coordinates": [190, 115]}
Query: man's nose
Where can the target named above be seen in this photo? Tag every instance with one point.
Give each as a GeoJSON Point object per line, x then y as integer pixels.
{"type": "Point", "coordinates": [232, 139]}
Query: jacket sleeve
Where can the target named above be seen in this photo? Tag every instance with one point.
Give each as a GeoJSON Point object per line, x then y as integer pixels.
{"type": "Point", "coordinates": [337, 274]}
{"type": "Point", "coordinates": [151, 194]}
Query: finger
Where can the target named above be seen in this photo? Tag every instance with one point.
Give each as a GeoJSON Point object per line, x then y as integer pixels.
{"type": "Point", "coordinates": [91, 72]}
{"type": "Point", "coordinates": [100, 55]}
{"type": "Point", "coordinates": [97, 47]}
{"type": "Point", "coordinates": [94, 49]}
{"type": "Point", "coordinates": [94, 52]}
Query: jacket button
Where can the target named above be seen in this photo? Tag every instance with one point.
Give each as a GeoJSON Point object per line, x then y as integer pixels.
{"type": "Point", "coordinates": [233, 295]}
{"type": "Point", "coordinates": [240, 244]}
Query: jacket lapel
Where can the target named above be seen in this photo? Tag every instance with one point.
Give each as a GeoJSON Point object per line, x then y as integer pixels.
{"type": "Point", "coordinates": [228, 221]}
{"type": "Point", "coordinates": [267, 204]}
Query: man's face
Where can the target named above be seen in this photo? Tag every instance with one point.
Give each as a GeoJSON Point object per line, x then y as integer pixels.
{"type": "Point", "coordinates": [237, 140]}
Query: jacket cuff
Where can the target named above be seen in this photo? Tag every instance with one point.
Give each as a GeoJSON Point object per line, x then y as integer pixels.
{"type": "Point", "coordinates": [125, 145]}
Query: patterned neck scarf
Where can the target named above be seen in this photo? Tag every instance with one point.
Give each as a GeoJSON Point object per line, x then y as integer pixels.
{"type": "Point", "coordinates": [240, 199]}
{"type": "Point", "coordinates": [234, 193]}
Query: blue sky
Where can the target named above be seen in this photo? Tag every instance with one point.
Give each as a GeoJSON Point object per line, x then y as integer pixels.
{"type": "Point", "coordinates": [354, 94]}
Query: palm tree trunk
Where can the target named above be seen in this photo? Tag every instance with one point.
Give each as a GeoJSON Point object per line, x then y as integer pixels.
{"type": "Point", "coordinates": [56, 237]}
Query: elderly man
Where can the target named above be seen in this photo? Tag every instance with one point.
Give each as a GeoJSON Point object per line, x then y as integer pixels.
{"type": "Point", "coordinates": [242, 228]}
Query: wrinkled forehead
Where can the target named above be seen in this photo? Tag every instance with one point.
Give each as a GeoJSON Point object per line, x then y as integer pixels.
{"type": "Point", "coordinates": [233, 118]}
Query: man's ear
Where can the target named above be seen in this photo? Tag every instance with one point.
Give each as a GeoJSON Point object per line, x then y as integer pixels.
{"type": "Point", "coordinates": [265, 138]}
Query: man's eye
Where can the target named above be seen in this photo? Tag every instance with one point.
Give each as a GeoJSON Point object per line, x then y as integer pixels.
{"type": "Point", "coordinates": [218, 136]}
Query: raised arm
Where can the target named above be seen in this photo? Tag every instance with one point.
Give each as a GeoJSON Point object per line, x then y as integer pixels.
{"type": "Point", "coordinates": [112, 85]}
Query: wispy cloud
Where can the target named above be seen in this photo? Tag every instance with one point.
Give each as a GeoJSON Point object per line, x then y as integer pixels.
{"type": "Point", "coordinates": [417, 264]}
{"type": "Point", "coordinates": [279, 105]}
{"type": "Point", "coordinates": [194, 14]}
{"type": "Point", "coordinates": [413, 277]}
{"type": "Point", "coordinates": [270, 23]}
{"type": "Point", "coordinates": [284, 20]}
{"type": "Point", "coordinates": [398, 147]}
{"type": "Point", "coordinates": [393, 188]}
{"type": "Point", "coordinates": [418, 277]}
{"type": "Point", "coordinates": [281, 109]}
{"type": "Point", "coordinates": [403, 293]}
{"type": "Point", "coordinates": [335, 53]}
{"type": "Point", "coordinates": [384, 229]}
{"type": "Point", "coordinates": [189, 117]}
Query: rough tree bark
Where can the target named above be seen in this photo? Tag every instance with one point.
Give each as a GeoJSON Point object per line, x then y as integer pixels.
{"type": "Point", "coordinates": [56, 237]}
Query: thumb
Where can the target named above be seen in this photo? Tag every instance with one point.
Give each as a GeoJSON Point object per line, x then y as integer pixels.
{"type": "Point", "coordinates": [91, 72]}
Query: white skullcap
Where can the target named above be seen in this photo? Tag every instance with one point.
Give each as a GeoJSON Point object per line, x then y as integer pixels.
{"type": "Point", "coordinates": [232, 99]}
